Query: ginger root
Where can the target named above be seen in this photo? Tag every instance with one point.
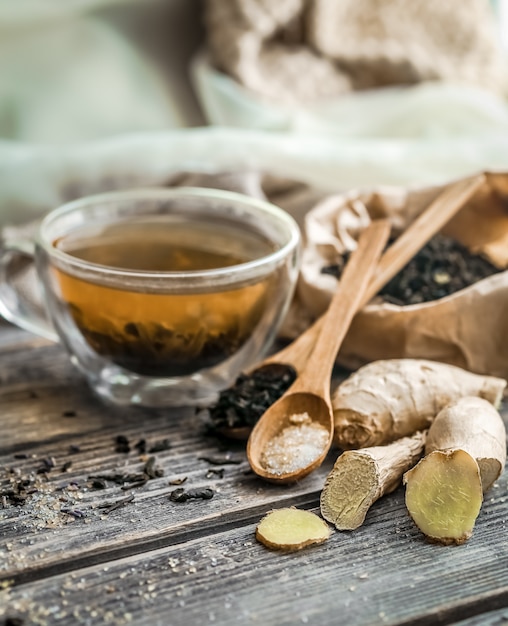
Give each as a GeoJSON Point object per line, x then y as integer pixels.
{"type": "Point", "coordinates": [360, 477]}
{"type": "Point", "coordinates": [291, 529]}
{"type": "Point", "coordinates": [473, 425]}
{"type": "Point", "coordinates": [394, 398]}
{"type": "Point", "coordinates": [444, 495]}
{"type": "Point", "coordinates": [466, 453]}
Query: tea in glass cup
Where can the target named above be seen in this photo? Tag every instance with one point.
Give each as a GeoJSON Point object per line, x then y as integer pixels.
{"type": "Point", "coordinates": [162, 296]}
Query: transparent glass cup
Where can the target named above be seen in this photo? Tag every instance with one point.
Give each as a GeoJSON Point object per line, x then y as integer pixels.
{"type": "Point", "coordinates": [157, 337]}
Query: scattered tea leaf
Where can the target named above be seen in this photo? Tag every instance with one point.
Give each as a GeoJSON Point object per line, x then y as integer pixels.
{"type": "Point", "coordinates": [151, 470]}
{"type": "Point", "coordinates": [66, 466]}
{"type": "Point", "coordinates": [182, 495]}
{"type": "Point", "coordinates": [177, 481]}
{"type": "Point", "coordinates": [139, 483]}
{"type": "Point", "coordinates": [98, 483]}
{"type": "Point", "coordinates": [47, 464]}
{"type": "Point", "coordinates": [73, 512]}
{"type": "Point", "coordinates": [119, 479]}
{"type": "Point", "coordinates": [122, 444]}
{"type": "Point", "coordinates": [242, 404]}
{"type": "Point", "coordinates": [225, 459]}
{"type": "Point", "coordinates": [108, 507]}
{"type": "Point", "coordinates": [160, 446]}
{"type": "Point", "coordinates": [215, 472]}
{"type": "Point", "coordinates": [141, 446]}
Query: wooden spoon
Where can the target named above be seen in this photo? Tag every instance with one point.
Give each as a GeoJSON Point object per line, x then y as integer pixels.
{"type": "Point", "coordinates": [426, 225]}
{"type": "Point", "coordinates": [310, 393]}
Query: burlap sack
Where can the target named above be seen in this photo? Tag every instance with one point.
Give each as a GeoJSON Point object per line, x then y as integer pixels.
{"type": "Point", "coordinates": [468, 328]}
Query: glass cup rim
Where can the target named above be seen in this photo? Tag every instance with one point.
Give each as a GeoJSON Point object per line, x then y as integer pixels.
{"type": "Point", "coordinates": [264, 207]}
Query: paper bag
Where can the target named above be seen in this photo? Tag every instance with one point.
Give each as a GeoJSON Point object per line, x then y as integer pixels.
{"type": "Point", "coordinates": [468, 328]}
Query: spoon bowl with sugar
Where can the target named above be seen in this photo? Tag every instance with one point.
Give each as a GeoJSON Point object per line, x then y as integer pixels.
{"type": "Point", "coordinates": [293, 436]}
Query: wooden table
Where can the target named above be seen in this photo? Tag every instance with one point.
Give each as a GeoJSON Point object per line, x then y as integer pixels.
{"type": "Point", "coordinates": [80, 550]}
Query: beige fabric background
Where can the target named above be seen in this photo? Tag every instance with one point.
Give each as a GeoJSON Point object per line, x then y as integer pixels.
{"type": "Point", "coordinates": [298, 51]}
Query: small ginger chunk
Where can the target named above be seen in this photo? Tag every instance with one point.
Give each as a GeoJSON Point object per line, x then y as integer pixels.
{"type": "Point", "coordinates": [291, 529]}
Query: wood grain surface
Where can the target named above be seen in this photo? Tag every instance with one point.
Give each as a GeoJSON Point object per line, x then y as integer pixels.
{"type": "Point", "coordinates": [66, 558]}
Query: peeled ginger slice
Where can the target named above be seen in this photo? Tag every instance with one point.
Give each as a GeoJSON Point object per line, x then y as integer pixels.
{"type": "Point", "coordinates": [291, 529]}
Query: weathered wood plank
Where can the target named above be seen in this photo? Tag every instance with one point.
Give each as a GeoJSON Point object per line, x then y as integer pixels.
{"type": "Point", "coordinates": [47, 418]}
{"type": "Point", "coordinates": [491, 618]}
{"type": "Point", "coordinates": [154, 561]}
{"type": "Point", "coordinates": [383, 573]}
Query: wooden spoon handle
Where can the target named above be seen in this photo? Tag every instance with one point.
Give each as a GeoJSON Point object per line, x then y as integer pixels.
{"type": "Point", "coordinates": [355, 279]}
{"type": "Point", "coordinates": [297, 352]}
{"type": "Point", "coordinates": [427, 224]}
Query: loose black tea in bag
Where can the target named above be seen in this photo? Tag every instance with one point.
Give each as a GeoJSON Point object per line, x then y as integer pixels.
{"type": "Point", "coordinates": [448, 304]}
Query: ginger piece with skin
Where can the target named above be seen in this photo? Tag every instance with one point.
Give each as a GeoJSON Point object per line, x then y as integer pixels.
{"type": "Point", "coordinates": [444, 495]}
{"type": "Point", "coordinates": [394, 398]}
{"type": "Point", "coordinates": [291, 529]}
{"type": "Point", "coordinates": [473, 425]}
{"type": "Point", "coordinates": [360, 477]}
{"type": "Point", "coordinates": [465, 454]}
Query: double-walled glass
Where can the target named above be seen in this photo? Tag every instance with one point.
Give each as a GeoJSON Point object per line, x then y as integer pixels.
{"type": "Point", "coordinates": [159, 337]}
